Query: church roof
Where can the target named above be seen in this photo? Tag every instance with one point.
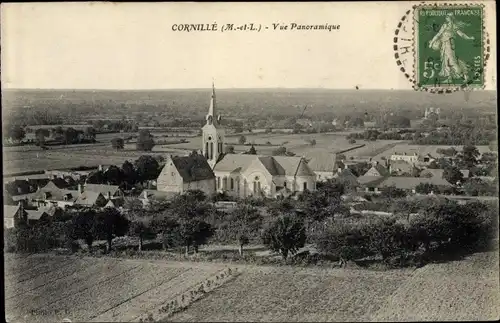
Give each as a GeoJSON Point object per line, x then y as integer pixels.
{"type": "Point", "coordinates": [322, 161]}
{"type": "Point", "coordinates": [193, 168]}
{"type": "Point", "coordinates": [235, 163]}
{"type": "Point", "coordinates": [275, 165]}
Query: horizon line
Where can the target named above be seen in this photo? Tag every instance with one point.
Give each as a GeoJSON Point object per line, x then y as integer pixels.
{"type": "Point", "coordinates": [209, 88]}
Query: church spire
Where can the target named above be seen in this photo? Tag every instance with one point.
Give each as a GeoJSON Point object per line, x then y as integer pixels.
{"type": "Point", "coordinates": [211, 110]}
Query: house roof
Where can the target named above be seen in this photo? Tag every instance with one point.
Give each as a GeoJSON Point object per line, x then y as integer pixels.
{"type": "Point", "coordinates": [380, 169]}
{"type": "Point", "coordinates": [9, 211]}
{"type": "Point", "coordinates": [36, 214]}
{"type": "Point", "coordinates": [193, 168]}
{"type": "Point", "coordinates": [365, 180]}
{"type": "Point", "coordinates": [322, 161]}
{"type": "Point", "coordinates": [56, 193]}
{"type": "Point", "coordinates": [432, 173]}
{"type": "Point", "coordinates": [411, 182]}
{"type": "Point", "coordinates": [155, 194]}
{"type": "Point", "coordinates": [294, 166]}
{"type": "Point", "coordinates": [88, 198]}
{"type": "Point", "coordinates": [102, 188]}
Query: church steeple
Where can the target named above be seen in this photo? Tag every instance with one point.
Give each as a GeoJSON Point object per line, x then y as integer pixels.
{"type": "Point", "coordinates": [213, 133]}
{"type": "Point", "coordinates": [211, 110]}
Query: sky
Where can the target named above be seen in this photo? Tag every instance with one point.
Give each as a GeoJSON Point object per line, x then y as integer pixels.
{"type": "Point", "coordinates": [132, 46]}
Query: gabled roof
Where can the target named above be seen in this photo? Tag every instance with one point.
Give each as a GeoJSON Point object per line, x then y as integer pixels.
{"type": "Point", "coordinates": [411, 182]}
{"type": "Point", "coordinates": [102, 188]}
{"type": "Point", "coordinates": [234, 163]}
{"type": "Point", "coordinates": [193, 168]}
{"type": "Point", "coordinates": [88, 198]}
{"type": "Point", "coordinates": [10, 210]}
{"type": "Point", "coordinates": [56, 193]}
{"type": "Point", "coordinates": [294, 166]}
{"type": "Point", "coordinates": [275, 165]}
{"type": "Point", "coordinates": [380, 169]}
{"type": "Point", "coordinates": [370, 180]}
{"type": "Point", "coordinates": [271, 165]}
{"type": "Point", "coordinates": [432, 173]}
{"type": "Point", "coordinates": [36, 214]}
{"type": "Point", "coordinates": [322, 161]}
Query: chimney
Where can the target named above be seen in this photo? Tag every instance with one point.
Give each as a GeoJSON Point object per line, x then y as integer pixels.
{"type": "Point", "coordinates": [100, 168]}
{"type": "Point", "coordinates": [339, 170]}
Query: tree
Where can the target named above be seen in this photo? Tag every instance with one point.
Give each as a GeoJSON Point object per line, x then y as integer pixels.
{"type": "Point", "coordinates": [185, 220]}
{"type": "Point", "coordinates": [252, 151]}
{"type": "Point", "coordinates": [453, 175]}
{"type": "Point", "coordinates": [470, 155]}
{"type": "Point", "coordinates": [243, 223]}
{"type": "Point", "coordinates": [477, 187]}
{"type": "Point", "coordinates": [70, 135]}
{"type": "Point", "coordinates": [96, 177]}
{"type": "Point", "coordinates": [287, 234]}
{"type": "Point", "coordinates": [147, 168]}
{"type": "Point", "coordinates": [15, 132]}
{"type": "Point", "coordinates": [242, 139]}
{"type": "Point", "coordinates": [141, 224]}
{"type": "Point", "coordinates": [312, 142]}
{"type": "Point", "coordinates": [145, 140]}
{"type": "Point", "coordinates": [117, 143]}
{"type": "Point", "coordinates": [114, 175]}
{"type": "Point", "coordinates": [426, 188]}
{"type": "Point", "coordinates": [85, 226]}
{"type": "Point", "coordinates": [41, 134]}
{"type": "Point", "coordinates": [129, 173]}
{"type": "Point", "coordinates": [230, 149]}
{"type": "Point", "coordinates": [392, 192]}
{"type": "Point", "coordinates": [111, 223]}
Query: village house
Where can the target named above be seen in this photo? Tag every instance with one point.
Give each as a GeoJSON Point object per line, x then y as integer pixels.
{"type": "Point", "coordinates": [183, 173]}
{"type": "Point", "coordinates": [408, 184]}
{"type": "Point", "coordinates": [51, 194]}
{"type": "Point", "coordinates": [403, 168]}
{"type": "Point", "coordinates": [13, 213]}
{"type": "Point", "coordinates": [324, 164]}
{"type": "Point", "coordinates": [403, 156]}
{"type": "Point", "coordinates": [377, 170]}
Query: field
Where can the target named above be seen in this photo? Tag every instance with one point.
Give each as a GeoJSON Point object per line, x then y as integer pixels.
{"type": "Point", "coordinates": [33, 158]}
{"type": "Point", "coordinates": [104, 289]}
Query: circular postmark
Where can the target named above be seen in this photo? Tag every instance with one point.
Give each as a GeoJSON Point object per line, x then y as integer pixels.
{"type": "Point", "coordinates": [442, 48]}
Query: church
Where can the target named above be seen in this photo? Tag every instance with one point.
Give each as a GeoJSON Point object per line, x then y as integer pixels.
{"type": "Point", "coordinates": [237, 175]}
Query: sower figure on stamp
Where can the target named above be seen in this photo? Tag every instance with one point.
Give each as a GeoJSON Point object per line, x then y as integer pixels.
{"type": "Point", "coordinates": [444, 41]}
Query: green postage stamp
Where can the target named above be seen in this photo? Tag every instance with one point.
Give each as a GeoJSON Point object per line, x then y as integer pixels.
{"type": "Point", "coordinates": [449, 46]}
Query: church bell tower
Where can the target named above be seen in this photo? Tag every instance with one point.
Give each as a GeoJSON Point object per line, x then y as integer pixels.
{"type": "Point", "coordinates": [213, 133]}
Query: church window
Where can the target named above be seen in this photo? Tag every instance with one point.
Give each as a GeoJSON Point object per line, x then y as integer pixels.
{"type": "Point", "coordinates": [284, 184]}
{"type": "Point", "coordinates": [224, 183]}
{"type": "Point", "coordinates": [211, 150]}
{"type": "Point", "coordinates": [232, 183]}
{"type": "Point", "coordinates": [218, 182]}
